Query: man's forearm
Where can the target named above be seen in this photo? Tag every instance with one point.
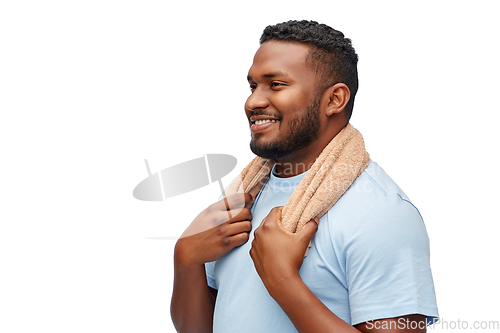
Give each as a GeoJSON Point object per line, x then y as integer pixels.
{"type": "Point", "coordinates": [192, 304]}
{"type": "Point", "coordinates": [305, 310]}
{"type": "Point", "coordinates": [310, 315]}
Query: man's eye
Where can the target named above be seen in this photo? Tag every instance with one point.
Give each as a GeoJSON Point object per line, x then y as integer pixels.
{"type": "Point", "coordinates": [276, 84]}
{"type": "Point", "coordinates": [253, 86]}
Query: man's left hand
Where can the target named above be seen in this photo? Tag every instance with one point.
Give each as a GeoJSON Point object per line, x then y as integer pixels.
{"type": "Point", "coordinates": [278, 253]}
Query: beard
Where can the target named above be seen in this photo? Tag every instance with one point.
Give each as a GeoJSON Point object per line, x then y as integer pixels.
{"type": "Point", "coordinates": [304, 130]}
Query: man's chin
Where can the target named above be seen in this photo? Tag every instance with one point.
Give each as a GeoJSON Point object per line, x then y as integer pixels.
{"type": "Point", "coordinates": [268, 151]}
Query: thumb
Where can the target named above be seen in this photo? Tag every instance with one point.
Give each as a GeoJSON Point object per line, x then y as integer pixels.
{"type": "Point", "coordinates": [309, 230]}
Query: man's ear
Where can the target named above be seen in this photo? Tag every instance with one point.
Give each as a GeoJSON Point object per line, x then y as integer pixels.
{"type": "Point", "coordinates": [337, 97]}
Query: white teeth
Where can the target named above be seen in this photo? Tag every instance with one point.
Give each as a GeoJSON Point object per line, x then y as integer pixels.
{"type": "Point", "coordinates": [260, 122]}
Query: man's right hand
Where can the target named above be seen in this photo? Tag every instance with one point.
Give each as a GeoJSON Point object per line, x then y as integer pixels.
{"type": "Point", "coordinates": [212, 234]}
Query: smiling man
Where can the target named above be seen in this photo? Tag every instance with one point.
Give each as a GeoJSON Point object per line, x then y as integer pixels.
{"type": "Point", "coordinates": [240, 266]}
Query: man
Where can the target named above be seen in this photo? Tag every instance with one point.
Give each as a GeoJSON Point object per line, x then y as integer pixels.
{"type": "Point", "coordinates": [368, 265]}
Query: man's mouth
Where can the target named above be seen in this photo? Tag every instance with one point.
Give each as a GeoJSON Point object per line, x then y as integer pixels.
{"type": "Point", "coordinates": [259, 125]}
{"type": "Point", "coordinates": [260, 122]}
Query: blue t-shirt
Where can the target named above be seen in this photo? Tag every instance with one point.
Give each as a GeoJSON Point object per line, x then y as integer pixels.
{"type": "Point", "coordinates": [369, 260]}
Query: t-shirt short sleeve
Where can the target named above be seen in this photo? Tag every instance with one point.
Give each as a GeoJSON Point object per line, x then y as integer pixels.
{"type": "Point", "coordinates": [387, 264]}
{"type": "Point", "coordinates": [209, 270]}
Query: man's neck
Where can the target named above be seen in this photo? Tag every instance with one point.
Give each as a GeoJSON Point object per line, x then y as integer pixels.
{"type": "Point", "coordinates": [294, 165]}
{"type": "Point", "coordinates": [302, 160]}
{"type": "Point", "coordinates": [286, 170]}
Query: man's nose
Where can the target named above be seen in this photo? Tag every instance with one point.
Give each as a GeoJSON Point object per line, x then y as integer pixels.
{"type": "Point", "coordinates": [257, 100]}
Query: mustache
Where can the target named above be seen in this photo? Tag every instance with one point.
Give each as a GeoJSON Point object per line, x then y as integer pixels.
{"type": "Point", "coordinates": [264, 113]}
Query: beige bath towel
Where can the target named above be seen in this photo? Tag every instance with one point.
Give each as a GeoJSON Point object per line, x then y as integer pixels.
{"type": "Point", "coordinates": [335, 169]}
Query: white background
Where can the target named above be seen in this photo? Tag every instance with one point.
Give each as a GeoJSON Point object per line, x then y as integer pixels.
{"type": "Point", "coordinates": [89, 89]}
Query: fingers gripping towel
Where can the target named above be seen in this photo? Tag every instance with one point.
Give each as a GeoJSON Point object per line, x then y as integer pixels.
{"type": "Point", "coordinates": [335, 169]}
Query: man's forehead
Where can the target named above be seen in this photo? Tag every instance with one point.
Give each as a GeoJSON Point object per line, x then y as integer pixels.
{"type": "Point", "coordinates": [271, 75]}
{"type": "Point", "coordinates": [278, 58]}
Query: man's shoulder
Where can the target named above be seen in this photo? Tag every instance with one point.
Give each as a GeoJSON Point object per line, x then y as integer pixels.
{"type": "Point", "coordinates": [374, 186]}
{"type": "Point", "coordinates": [375, 212]}
{"type": "Point", "coordinates": [373, 194]}
{"type": "Point", "coordinates": [376, 182]}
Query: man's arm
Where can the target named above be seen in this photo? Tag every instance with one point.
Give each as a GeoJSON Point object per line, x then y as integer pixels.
{"type": "Point", "coordinates": [209, 237]}
{"type": "Point", "coordinates": [192, 304]}
{"type": "Point", "coordinates": [278, 255]}
{"type": "Point", "coordinates": [309, 314]}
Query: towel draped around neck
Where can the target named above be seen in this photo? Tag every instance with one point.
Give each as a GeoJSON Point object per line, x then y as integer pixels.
{"type": "Point", "coordinates": [335, 169]}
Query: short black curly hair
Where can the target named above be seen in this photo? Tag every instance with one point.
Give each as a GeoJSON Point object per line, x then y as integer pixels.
{"type": "Point", "coordinates": [332, 56]}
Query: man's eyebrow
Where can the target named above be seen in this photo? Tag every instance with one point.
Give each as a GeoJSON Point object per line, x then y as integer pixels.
{"type": "Point", "coordinates": [269, 75]}
{"type": "Point", "coordinates": [274, 74]}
